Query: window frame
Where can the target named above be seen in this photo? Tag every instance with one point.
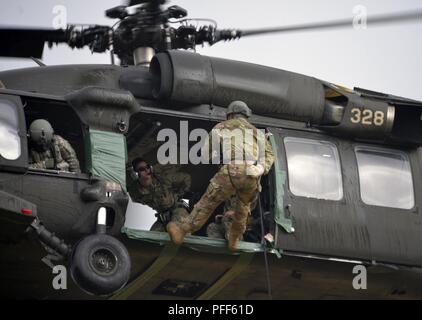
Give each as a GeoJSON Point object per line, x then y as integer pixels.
{"type": "Point", "coordinates": [21, 163]}
{"type": "Point", "coordinates": [384, 149]}
{"type": "Point", "coordinates": [317, 139]}
{"type": "Point", "coordinates": [10, 123]}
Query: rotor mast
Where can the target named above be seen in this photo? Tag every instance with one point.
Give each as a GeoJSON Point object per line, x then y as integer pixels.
{"type": "Point", "coordinates": [142, 56]}
{"type": "Point", "coordinates": [148, 29]}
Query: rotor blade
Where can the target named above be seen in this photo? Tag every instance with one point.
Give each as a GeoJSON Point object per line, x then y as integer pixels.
{"type": "Point", "coordinates": [374, 20]}
{"type": "Point", "coordinates": [26, 43]}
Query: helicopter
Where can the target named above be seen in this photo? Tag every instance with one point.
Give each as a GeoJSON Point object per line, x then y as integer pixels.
{"type": "Point", "coordinates": [324, 208]}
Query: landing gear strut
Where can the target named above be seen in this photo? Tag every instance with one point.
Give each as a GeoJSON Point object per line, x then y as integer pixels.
{"type": "Point", "coordinates": [100, 264]}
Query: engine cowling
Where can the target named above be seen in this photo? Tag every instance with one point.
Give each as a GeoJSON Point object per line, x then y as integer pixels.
{"type": "Point", "coordinates": [192, 78]}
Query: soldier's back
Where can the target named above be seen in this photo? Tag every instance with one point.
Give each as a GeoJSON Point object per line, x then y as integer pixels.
{"type": "Point", "coordinates": [243, 138]}
{"type": "Point", "coordinates": [236, 123]}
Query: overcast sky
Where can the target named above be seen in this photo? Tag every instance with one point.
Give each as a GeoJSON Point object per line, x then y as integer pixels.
{"type": "Point", "coordinates": [386, 59]}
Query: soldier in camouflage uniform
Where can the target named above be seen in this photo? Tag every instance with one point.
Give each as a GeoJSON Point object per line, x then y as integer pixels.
{"type": "Point", "coordinates": [50, 151]}
{"type": "Point", "coordinates": [245, 161]}
{"type": "Point", "coordinates": [223, 222]}
{"type": "Point", "coordinates": [161, 193]}
{"type": "Point", "coordinates": [220, 227]}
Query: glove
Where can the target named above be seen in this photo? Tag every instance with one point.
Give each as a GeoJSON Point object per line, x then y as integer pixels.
{"type": "Point", "coordinates": [63, 166]}
{"type": "Point", "coordinates": [255, 170]}
{"type": "Point", "coordinates": [73, 163]}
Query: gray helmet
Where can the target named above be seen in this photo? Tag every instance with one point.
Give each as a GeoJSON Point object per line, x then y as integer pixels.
{"type": "Point", "coordinates": [239, 107]}
{"type": "Point", "coordinates": [41, 132]}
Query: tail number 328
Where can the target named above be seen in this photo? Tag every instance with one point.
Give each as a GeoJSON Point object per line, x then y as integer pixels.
{"type": "Point", "coordinates": [367, 117]}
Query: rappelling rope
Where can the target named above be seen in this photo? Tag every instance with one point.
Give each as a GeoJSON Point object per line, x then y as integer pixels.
{"type": "Point", "coordinates": [263, 242]}
{"type": "Point", "coordinates": [264, 245]}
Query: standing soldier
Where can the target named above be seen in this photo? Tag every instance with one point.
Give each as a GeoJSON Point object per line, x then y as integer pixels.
{"type": "Point", "coordinates": [49, 150]}
{"type": "Point", "coordinates": [244, 162]}
{"type": "Point", "coordinates": [163, 194]}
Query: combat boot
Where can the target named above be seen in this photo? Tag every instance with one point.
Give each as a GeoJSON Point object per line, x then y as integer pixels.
{"type": "Point", "coordinates": [233, 238]}
{"type": "Point", "coordinates": [177, 232]}
{"type": "Point", "coordinates": [235, 234]}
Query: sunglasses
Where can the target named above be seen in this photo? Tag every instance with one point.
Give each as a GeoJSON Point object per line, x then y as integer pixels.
{"type": "Point", "coordinates": [142, 169]}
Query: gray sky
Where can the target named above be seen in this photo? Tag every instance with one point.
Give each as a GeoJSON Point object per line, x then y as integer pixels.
{"type": "Point", "coordinates": [386, 59]}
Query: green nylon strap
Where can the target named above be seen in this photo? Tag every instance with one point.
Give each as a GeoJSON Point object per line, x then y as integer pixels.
{"type": "Point", "coordinates": [241, 263]}
{"type": "Point", "coordinates": [166, 255]}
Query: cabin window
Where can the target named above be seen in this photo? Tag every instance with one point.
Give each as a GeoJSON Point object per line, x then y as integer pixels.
{"type": "Point", "coordinates": [10, 143]}
{"type": "Point", "coordinates": [314, 169]}
{"type": "Point", "coordinates": [385, 177]}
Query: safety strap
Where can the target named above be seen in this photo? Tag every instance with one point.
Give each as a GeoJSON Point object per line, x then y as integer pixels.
{"type": "Point", "coordinates": [166, 255]}
{"type": "Point", "coordinates": [241, 264]}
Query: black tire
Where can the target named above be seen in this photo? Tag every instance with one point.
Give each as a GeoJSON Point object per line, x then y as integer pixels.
{"type": "Point", "coordinates": [100, 264]}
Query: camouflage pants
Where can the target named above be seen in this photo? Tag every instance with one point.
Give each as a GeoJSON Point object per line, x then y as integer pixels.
{"type": "Point", "coordinates": [179, 215]}
{"type": "Point", "coordinates": [219, 228]}
{"type": "Point", "coordinates": [222, 225]}
{"type": "Point", "coordinates": [231, 180]}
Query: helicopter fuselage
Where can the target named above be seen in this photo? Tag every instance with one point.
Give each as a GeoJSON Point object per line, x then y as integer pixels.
{"type": "Point", "coordinates": [351, 133]}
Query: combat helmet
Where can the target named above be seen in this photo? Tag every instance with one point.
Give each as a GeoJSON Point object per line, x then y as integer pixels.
{"type": "Point", "coordinates": [41, 132]}
{"type": "Point", "coordinates": [239, 107]}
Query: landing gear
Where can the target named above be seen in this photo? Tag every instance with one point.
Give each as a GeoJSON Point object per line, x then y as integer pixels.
{"type": "Point", "coordinates": [100, 264]}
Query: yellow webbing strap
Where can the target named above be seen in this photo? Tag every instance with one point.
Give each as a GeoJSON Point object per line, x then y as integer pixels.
{"type": "Point", "coordinates": [241, 263]}
{"type": "Point", "coordinates": [166, 255]}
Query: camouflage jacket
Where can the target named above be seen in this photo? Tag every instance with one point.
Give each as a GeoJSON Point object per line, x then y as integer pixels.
{"type": "Point", "coordinates": [236, 141]}
{"type": "Point", "coordinates": [164, 192]}
{"type": "Point", "coordinates": [61, 156]}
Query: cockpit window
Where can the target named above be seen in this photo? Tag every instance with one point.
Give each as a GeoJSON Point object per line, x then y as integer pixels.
{"type": "Point", "coordinates": [385, 177]}
{"type": "Point", "coordinates": [314, 169]}
{"type": "Point", "coordinates": [10, 144]}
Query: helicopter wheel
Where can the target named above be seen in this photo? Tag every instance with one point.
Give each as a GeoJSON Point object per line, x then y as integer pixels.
{"type": "Point", "coordinates": [100, 264]}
